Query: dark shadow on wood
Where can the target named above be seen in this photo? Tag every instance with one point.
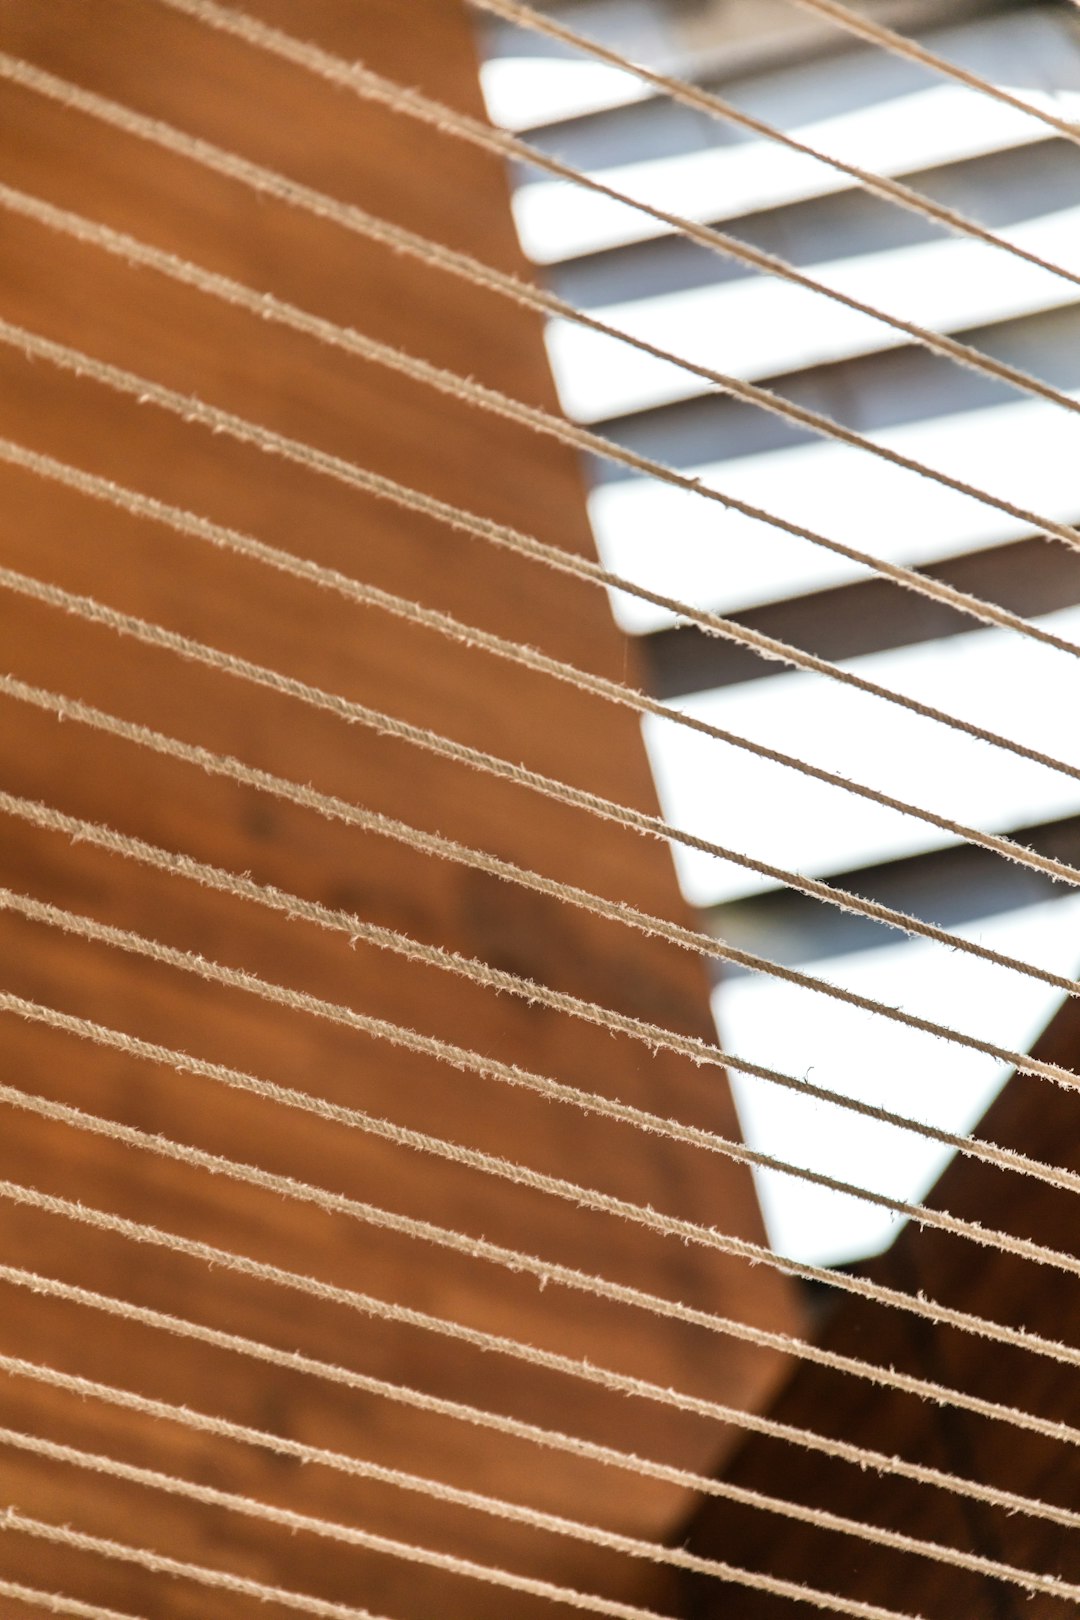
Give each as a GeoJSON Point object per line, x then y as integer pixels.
{"type": "Point", "coordinates": [1039, 1120]}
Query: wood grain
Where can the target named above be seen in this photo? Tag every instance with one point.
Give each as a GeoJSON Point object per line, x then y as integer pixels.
{"type": "Point", "coordinates": [164, 65]}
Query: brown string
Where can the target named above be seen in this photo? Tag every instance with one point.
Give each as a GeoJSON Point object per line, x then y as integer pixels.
{"type": "Point", "coordinates": [653, 1036]}
{"type": "Point", "coordinates": [493, 1164]}
{"type": "Point", "coordinates": [63, 1535]}
{"type": "Point", "coordinates": [714, 106]}
{"type": "Point", "coordinates": [561, 792]}
{"type": "Point", "coordinates": [59, 1602]}
{"type": "Point", "coordinates": [433, 844]}
{"type": "Point", "coordinates": [193, 410]}
{"type": "Point", "coordinates": [546, 1272]}
{"type": "Point", "coordinates": [876, 33]}
{"type": "Point", "coordinates": [513, 1428]}
{"type": "Point", "coordinates": [497, 1507]}
{"type": "Point", "coordinates": [374, 87]}
{"type": "Point", "coordinates": [350, 341]}
{"type": "Point", "coordinates": [587, 1371]}
{"type": "Point", "coordinates": [444, 624]}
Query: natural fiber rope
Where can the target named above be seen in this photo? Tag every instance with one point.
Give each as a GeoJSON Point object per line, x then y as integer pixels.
{"type": "Point", "coordinates": [397, 98]}
{"type": "Point", "coordinates": [347, 1534]}
{"type": "Point", "coordinates": [193, 410]}
{"type": "Point", "coordinates": [584, 1370]}
{"type": "Point", "coordinates": [876, 33]}
{"type": "Point", "coordinates": [59, 1602]}
{"type": "Point", "coordinates": [500, 1508]}
{"type": "Point", "coordinates": [297, 1521]}
{"type": "Point", "coordinates": [63, 1535]}
{"type": "Point", "coordinates": [493, 1164]}
{"type": "Point", "coordinates": [348, 340]}
{"type": "Point", "coordinates": [336, 809]}
{"type": "Point", "coordinates": [638, 821]}
{"type": "Point", "coordinates": [195, 527]}
{"type": "Point", "coordinates": [546, 1272]}
{"type": "Point", "coordinates": [512, 1428]}
{"type": "Point", "coordinates": [409, 1552]}
{"type": "Point", "coordinates": [653, 1036]}
{"type": "Point", "coordinates": [713, 106]}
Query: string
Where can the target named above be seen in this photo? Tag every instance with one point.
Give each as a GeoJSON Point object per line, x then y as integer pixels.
{"type": "Point", "coordinates": [586, 1371]}
{"type": "Point", "coordinates": [561, 792]}
{"type": "Point", "coordinates": [493, 1164]}
{"type": "Point", "coordinates": [64, 1536]}
{"type": "Point", "coordinates": [514, 1512]}
{"type": "Point", "coordinates": [426, 1556]}
{"type": "Point", "coordinates": [653, 1036]}
{"type": "Point", "coordinates": [433, 844]}
{"type": "Point", "coordinates": [546, 1272]}
{"type": "Point", "coordinates": [372, 86]}
{"type": "Point", "coordinates": [447, 849]}
{"type": "Point", "coordinates": [193, 410]}
{"type": "Point", "coordinates": [717, 107]}
{"type": "Point", "coordinates": [349, 1535]}
{"type": "Point", "coordinates": [348, 340]}
{"type": "Point", "coordinates": [513, 1428]}
{"type": "Point", "coordinates": [195, 527]}
{"type": "Point", "coordinates": [900, 45]}
{"type": "Point", "coordinates": [59, 1602]}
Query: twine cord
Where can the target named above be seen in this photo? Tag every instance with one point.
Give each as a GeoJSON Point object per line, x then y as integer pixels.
{"type": "Point", "coordinates": [514, 1428]}
{"type": "Point", "coordinates": [638, 821]}
{"type": "Point", "coordinates": [514, 1512]}
{"type": "Point", "coordinates": [348, 340]}
{"type": "Point", "coordinates": [461, 1337]}
{"type": "Point", "coordinates": [432, 844]}
{"type": "Point", "coordinates": [494, 1164]}
{"type": "Point", "coordinates": [696, 97]}
{"type": "Point", "coordinates": [195, 527]}
{"type": "Point", "coordinates": [447, 121]}
{"type": "Point", "coordinates": [546, 1272]}
{"type": "Point", "coordinates": [59, 1602]}
{"type": "Point", "coordinates": [587, 1371]}
{"type": "Point", "coordinates": [193, 410]}
{"type": "Point", "coordinates": [875, 33]}
{"type": "Point", "coordinates": [653, 1036]}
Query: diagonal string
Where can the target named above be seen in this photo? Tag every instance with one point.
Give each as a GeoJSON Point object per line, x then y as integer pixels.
{"type": "Point", "coordinates": [875, 33]}
{"type": "Point", "coordinates": [696, 97]}
{"type": "Point", "coordinates": [546, 1272]}
{"type": "Point", "coordinates": [492, 1164]}
{"type": "Point", "coordinates": [410, 1552]}
{"type": "Point", "coordinates": [517, 1513]}
{"type": "Point", "coordinates": [63, 1535]}
{"type": "Point", "coordinates": [354, 76]}
{"type": "Point", "coordinates": [509, 1427]}
{"type": "Point", "coordinates": [193, 410]}
{"type": "Point", "coordinates": [653, 1036]}
{"type": "Point", "coordinates": [433, 844]}
{"type": "Point", "coordinates": [447, 121]}
{"type": "Point", "coordinates": [348, 340]}
{"type": "Point", "coordinates": [59, 1602]}
{"type": "Point", "coordinates": [638, 821]}
{"type": "Point", "coordinates": [586, 1371]}
{"type": "Point", "coordinates": [624, 1609]}
{"type": "Point", "coordinates": [196, 527]}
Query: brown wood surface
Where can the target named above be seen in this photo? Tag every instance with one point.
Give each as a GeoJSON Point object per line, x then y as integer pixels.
{"type": "Point", "coordinates": [143, 55]}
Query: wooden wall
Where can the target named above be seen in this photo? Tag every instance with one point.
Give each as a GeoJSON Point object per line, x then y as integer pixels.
{"type": "Point", "coordinates": [142, 55]}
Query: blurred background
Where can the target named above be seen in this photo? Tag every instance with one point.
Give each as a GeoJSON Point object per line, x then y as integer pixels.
{"type": "Point", "coordinates": [856, 102]}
